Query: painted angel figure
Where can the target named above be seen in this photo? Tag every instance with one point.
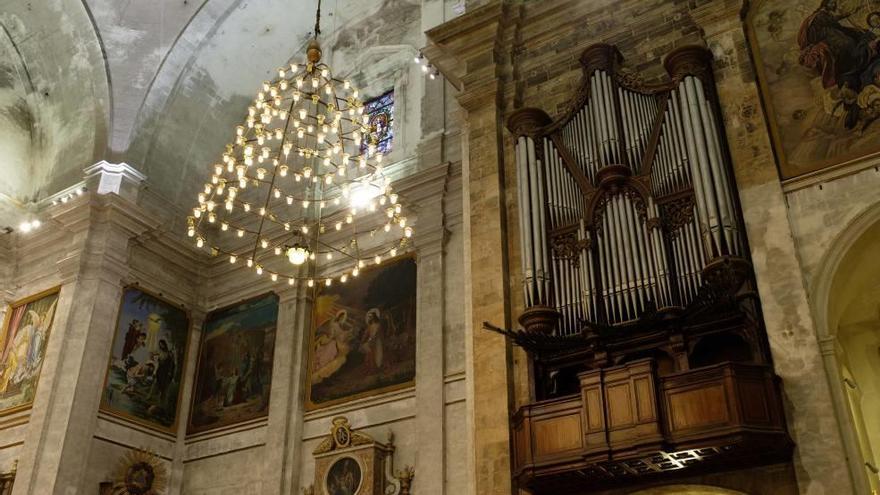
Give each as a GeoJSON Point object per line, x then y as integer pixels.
{"type": "Point", "coordinates": [847, 58]}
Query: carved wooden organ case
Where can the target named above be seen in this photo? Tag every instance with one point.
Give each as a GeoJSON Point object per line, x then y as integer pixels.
{"type": "Point", "coordinates": [635, 264]}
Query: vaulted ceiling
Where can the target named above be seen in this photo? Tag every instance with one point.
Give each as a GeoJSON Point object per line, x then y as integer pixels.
{"type": "Point", "coordinates": [157, 84]}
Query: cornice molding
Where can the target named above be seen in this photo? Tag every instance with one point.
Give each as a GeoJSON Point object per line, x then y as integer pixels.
{"type": "Point", "coordinates": [468, 45]}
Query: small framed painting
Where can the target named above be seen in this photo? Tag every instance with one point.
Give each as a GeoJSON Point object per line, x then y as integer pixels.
{"type": "Point", "coordinates": [145, 372]}
{"type": "Point", "coordinates": [26, 331]}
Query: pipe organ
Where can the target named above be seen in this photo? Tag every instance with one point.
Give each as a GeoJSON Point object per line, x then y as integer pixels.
{"type": "Point", "coordinates": [634, 262]}
{"type": "Point", "coordinates": [626, 201]}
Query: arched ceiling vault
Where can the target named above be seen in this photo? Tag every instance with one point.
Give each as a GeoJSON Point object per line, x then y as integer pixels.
{"type": "Point", "coordinates": [158, 84]}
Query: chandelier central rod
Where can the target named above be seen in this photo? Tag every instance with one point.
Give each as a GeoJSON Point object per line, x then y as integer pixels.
{"type": "Point", "coordinates": [318, 21]}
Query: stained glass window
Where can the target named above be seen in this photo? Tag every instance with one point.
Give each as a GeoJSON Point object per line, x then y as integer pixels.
{"type": "Point", "coordinates": [381, 112]}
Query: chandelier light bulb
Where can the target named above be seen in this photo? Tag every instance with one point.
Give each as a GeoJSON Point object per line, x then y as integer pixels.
{"type": "Point", "coordinates": [297, 255]}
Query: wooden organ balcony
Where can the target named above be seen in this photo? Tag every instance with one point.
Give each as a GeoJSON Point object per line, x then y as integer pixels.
{"type": "Point", "coordinates": [628, 423]}
{"type": "Point", "coordinates": [643, 327]}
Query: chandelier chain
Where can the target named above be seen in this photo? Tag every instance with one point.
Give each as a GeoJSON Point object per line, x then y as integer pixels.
{"type": "Point", "coordinates": [318, 20]}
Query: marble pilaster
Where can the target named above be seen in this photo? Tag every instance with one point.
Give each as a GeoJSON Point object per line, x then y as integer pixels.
{"type": "Point", "coordinates": [430, 390]}
{"type": "Point", "coordinates": [91, 271]}
{"type": "Point", "coordinates": [287, 402]}
{"type": "Point", "coordinates": [469, 50]}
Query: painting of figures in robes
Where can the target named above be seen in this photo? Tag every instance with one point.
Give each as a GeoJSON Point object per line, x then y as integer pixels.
{"type": "Point", "coordinates": [819, 70]}
{"type": "Point", "coordinates": [26, 330]}
{"type": "Point", "coordinates": [146, 361]}
{"type": "Point", "coordinates": [363, 339]}
{"type": "Point", "coordinates": [234, 374]}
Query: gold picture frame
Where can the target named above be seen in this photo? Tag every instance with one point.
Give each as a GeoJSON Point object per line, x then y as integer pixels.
{"type": "Point", "coordinates": [797, 125]}
{"type": "Point", "coordinates": [8, 373]}
{"type": "Point", "coordinates": [403, 371]}
{"type": "Point", "coordinates": [105, 407]}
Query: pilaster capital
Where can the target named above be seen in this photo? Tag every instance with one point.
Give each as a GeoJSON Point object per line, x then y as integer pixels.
{"type": "Point", "coordinates": [117, 178]}
{"type": "Point", "coordinates": [719, 16]}
{"type": "Point", "coordinates": [101, 228]}
{"type": "Point", "coordinates": [431, 241]}
{"type": "Point", "coordinates": [289, 293]}
{"type": "Point", "coordinates": [426, 186]}
{"type": "Point", "coordinates": [468, 52]}
{"type": "Point", "coordinates": [829, 346]}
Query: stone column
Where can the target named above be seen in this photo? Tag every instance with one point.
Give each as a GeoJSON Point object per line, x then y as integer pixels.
{"type": "Point", "coordinates": [64, 413]}
{"type": "Point", "coordinates": [430, 388]}
{"type": "Point", "coordinates": [286, 407]}
{"type": "Point", "coordinates": [790, 329]}
{"type": "Point", "coordinates": [470, 51]}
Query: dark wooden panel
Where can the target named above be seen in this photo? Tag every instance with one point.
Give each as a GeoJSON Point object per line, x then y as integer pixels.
{"type": "Point", "coordinates": [558, 435]}
{"type": "Point", "coordinates": [698, 407]}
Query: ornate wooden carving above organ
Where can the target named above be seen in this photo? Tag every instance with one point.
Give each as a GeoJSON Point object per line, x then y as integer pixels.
{"type": "Point", "coordinates": [635, 263]}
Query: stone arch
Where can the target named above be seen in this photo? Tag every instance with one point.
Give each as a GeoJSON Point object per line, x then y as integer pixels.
{"type": "Point", "coordinates": [847, 276]}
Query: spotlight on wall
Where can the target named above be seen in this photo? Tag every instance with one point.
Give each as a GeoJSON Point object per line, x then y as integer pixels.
{"type": "Point", "coordinates": [29, 226]}
{"type": "Point", "coordinates": [79, 191]}
{"type": "Point", "coordinates": [420, 58]}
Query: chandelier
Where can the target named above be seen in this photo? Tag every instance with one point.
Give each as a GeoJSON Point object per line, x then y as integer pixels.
{"type": "Point", "coordinates": [300, 193]}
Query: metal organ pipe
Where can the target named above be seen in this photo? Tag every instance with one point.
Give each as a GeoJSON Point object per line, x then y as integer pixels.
{"type": "Point", "coordinates": [717, 171]}
{"type": "Point", "coordinates": [538, 232]}
{"type": "Point", "coordinates": [640, 263]}
{"type": "Point", "coordinates": [611, 121]}
{"type": "Point", "coordinates": [701, 164]}
{"type": "Point", "coordinates": [525, 226]}
{"type": "Point", "coordinates": [725, 182]}
{"type": "Point", "coordinates": [637, 280]}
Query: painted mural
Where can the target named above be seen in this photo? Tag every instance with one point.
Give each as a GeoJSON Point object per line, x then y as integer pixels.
{"type": "Point", "coordinates": [819, 68]}
{"type": "Point", "coordinates": [23, 341]}
{"type": "Point", "coordinates": [146, 361]}
{"type": "Point", "coordinates": [364, 336]}
{"type": "Point", "coordinates": [234, 374]}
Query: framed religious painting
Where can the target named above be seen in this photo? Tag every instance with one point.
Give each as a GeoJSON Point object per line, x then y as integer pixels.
{"type": "Point", "coordinates": [363, 338]}
{"type": "Point", "coordinates": [818, 64]}
{"type": "Point", "coordinates": [145, 372]}
{"type": "Point", "coordinates": [234, 374]}
{"type": "Point", "coordinates": [26, 329]}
